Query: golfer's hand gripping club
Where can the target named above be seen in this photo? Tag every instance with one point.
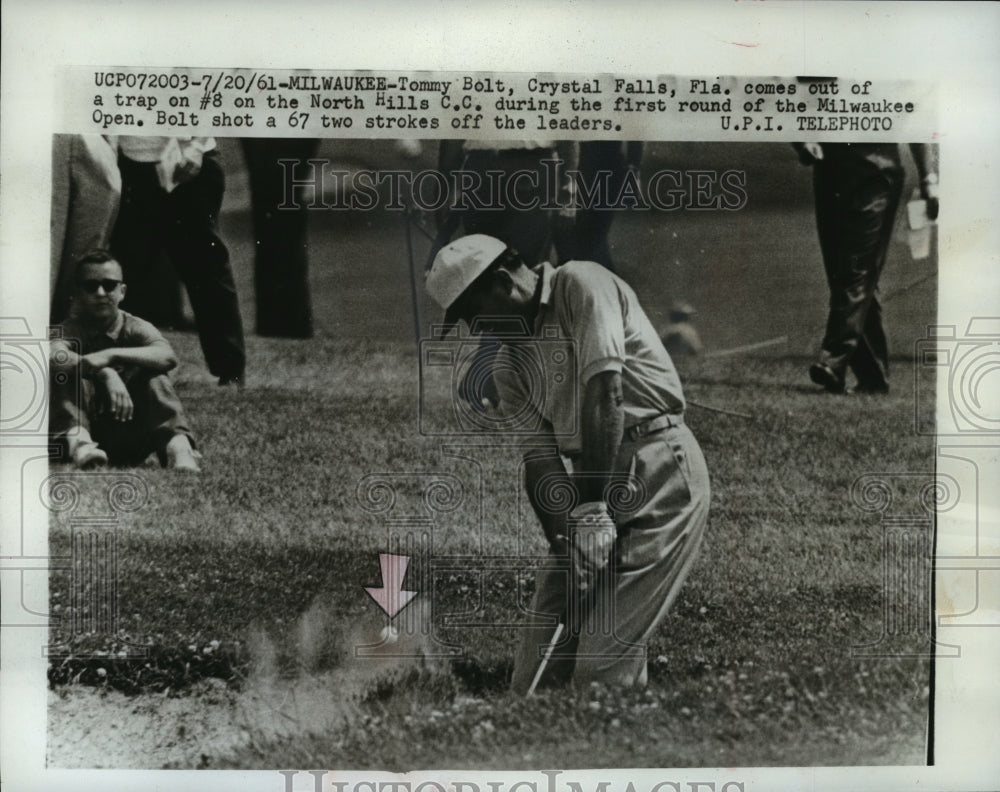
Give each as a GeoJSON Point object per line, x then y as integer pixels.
{"type": "Point", "coordinates": [592, 536]}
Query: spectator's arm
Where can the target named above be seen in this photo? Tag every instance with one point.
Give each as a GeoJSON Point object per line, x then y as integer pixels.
{"type": "Point", "coordinates": [117, 400]}
{"type": "Point", "coordinates": [157, 356]}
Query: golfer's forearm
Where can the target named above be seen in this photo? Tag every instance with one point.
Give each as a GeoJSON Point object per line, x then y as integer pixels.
{"type": "Point", "coordinates": [543, 475]}
{"type": "Point", "coordinates": [603, 425]}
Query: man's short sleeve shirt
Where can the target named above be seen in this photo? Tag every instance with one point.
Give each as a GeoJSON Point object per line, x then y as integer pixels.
{"type": "Point", "coordinates": [600, 317]}
{"type": "Point", "coordinates": [126, 331]}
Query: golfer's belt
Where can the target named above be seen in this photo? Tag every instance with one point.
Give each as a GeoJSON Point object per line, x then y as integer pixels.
{"type": "Point", "coordinates": [654, 424]}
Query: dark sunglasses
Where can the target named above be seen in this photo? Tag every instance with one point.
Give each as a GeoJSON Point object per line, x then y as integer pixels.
{"type": "Point", "coordinates": [109, 285]}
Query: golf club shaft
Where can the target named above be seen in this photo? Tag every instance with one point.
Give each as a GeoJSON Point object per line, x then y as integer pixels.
{"type": "Point", "coordinates": [545, 658]}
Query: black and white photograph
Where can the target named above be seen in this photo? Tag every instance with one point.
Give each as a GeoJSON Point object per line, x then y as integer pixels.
{"type": "Point", "coordinates": [738, 308]}
{"type": "Point", "coordinates": [466, 426]}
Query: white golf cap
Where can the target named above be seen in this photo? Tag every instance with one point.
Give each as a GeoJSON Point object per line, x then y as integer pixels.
{"type": "Point", "coordinates": [457, 266]}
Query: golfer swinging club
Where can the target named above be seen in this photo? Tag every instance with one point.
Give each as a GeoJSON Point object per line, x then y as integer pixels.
{"type": "Point", "coordinates": [628, 556]}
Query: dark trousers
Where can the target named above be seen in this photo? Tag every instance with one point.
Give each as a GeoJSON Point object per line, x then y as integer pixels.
{"type": "Point", "coordinates": [602, 167]}
{"type": "Point", "coordinates": [157, 416]}
{"type": "Point", "coordinates": [855, 210]}
{"type": "Point", "coordinates": [182, 225]}
{"type": "Point", "coordinates": [280, 219]}
{"type": "Point", "coordinates": [527, 230]}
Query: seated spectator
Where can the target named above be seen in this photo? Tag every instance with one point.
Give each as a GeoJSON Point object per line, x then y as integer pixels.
{"type": "Point", "coordinates": [111, 398]}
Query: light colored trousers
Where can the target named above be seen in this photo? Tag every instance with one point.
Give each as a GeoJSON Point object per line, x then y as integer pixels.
{"type": "Point", "coordinates": [658, 543]}
{"type": "Point", "coordinates": [86, 191]}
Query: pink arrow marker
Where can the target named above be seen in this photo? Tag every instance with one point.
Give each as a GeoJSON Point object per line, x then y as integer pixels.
{"type": "Point", "coordinates": [391, 597]}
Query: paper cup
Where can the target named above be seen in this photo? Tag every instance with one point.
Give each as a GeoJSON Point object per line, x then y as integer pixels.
{"type": "Point", "coordinates": [920, 242]}
{"type": "Point", "coordinates": [916, 213]}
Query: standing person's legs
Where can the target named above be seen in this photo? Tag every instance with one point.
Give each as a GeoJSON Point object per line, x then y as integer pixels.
{"type": "Point", "coordinates": [137, 243]}
{"type": "Point", "coordinates": [84, 215]}
{"type": "Point", "coordinates": [518, 220]}
{"type": "Point", "coordinates": [830, 187]}
{"type": "Point", "coordinates": [870, 363]}
{"type": "Point", "coordinates": [512, 186]}
{"type": "Point", "coordinates": [59, 217]}
{"type": "Point", "coordinates": [591, 238]}
{"type": "Point", "coordinates": [281, 262]}
{"type": "Point", "coordinates": [855, 209]}
{"type": "Point", "coordinates": [602, 173]}
{"type": "Point", "coordinates": [525, 224]}
{"type": "Point", "coordinates": [202, 260]}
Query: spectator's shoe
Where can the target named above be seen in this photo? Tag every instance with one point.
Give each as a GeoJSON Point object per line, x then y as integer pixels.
{"type": "Point", "coordinates": [231, 379]}
{"type": "Point", "coordinates": [87, 456]}
{"type": "Point", "coordinates": [822, 374]}
{"type": "Point", "coordinates": [181, 456]}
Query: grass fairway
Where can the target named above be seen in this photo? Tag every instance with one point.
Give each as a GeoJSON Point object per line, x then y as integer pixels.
{"type": "Point", "coordinates": [252, 577]}
{"type": "Point", "coordinates": [240, 592]}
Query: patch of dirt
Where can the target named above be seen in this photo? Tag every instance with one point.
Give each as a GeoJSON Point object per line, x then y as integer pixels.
{"type": "Point", "coordinates": [89, 727]}
{"type": "Point", "coordinates": [92, 727]}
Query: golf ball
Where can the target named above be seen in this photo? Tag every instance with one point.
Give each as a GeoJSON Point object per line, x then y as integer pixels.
{"type": "Point", "coordinates": [390, 634]}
